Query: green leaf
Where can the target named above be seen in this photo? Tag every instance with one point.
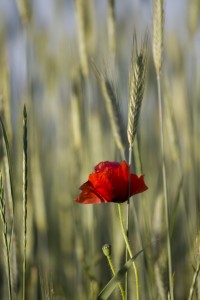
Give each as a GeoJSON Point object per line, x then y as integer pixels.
{"type": "Point", "coordinates": [175, 208]}
{"type": "Point", "coordinates": [111, 285]}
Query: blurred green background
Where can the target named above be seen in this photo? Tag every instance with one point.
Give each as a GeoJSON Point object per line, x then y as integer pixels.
{"type": "Point", "coordinates": [46, 49]}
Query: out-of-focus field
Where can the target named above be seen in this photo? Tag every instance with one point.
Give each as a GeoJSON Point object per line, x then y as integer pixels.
{"type": "Point", "coordinates": [42, 65]}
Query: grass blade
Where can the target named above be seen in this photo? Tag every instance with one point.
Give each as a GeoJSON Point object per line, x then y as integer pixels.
{"type": "Point", "coordinates": [175, 208]}
{"type": "Point", "coordinates": [10, 171]}
{"type": "Point", "coordinates": [109, 288]}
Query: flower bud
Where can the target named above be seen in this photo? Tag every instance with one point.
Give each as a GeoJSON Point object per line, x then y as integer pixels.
{"type": "Point", "coordinates": [106, 250]}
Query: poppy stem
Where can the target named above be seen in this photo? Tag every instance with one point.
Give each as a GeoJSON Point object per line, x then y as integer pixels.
{"type": "Point", "coordinates": [129, 251]}
{"type": "Point", "coordinates": [107, 252]}
{"type": "Point", "coordinates": [114, 273]}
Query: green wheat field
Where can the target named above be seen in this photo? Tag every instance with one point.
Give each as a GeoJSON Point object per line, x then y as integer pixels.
{"type": "Point", "coordinates": [82, 82]}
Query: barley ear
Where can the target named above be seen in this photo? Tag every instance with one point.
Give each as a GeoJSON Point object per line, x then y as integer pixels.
{"type": "Point", "coordinates": [112, 108]}
{"type": "Point", "coordinates": [136, 87]}
{"type": "Point", "coordinates": [158, 21]}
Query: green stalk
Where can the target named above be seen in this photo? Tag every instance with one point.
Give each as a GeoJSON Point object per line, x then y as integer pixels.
{"type": "Point", "coordinates": [3, 217]}
{"type": "Point", "coordinates": [165, 188]}
{"type": "Point", "coordinates": [8, 267]}
{"type": "Point", "coordinates": [129, 251]}
{"type": "Point", "coordinates": [114, 273]}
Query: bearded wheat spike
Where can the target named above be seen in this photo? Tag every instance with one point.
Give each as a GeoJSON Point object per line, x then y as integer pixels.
{"type": "Point", "coordinates": [158, 20]}
{"type": "Point", "coordinates": [111, 107]}
{"type": "Point", "coordinates": [136, 88]}
{"type": "Point", "coordinates": [24, 10]}
{"type": "Point", "coordinates": [81, 36]}
{"type": "Point", "coordinates": [111, 26]}
{"type": "Point", "coordinates": [193, 15]}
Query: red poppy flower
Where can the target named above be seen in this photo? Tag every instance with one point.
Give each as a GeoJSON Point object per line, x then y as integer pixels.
{"type": "Point", "coordinates": [109, 183]}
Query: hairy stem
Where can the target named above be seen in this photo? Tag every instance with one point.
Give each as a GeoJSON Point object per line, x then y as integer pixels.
{"type": "Point", "coordinates": [114, 273]}
{"type": "Point", "coordinates": [129, 251]}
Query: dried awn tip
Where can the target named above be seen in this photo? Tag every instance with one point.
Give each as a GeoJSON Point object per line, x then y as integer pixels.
{"type": "Point", "coordinates": [136, 87]}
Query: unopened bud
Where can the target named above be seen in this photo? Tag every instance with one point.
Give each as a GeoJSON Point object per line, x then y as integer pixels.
{"type": "Point", "coordinates": [106, 250]}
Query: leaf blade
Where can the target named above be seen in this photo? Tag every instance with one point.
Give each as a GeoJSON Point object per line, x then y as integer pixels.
{"type": "Point", "coordinates": [111, 285]}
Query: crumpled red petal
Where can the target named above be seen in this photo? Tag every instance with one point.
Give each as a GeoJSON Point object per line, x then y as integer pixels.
{"type": "Point", "coordinates": [109, 183]}
{"type": "Point", "coordinates": [105, 166]}
{"type": "Point", "coordinates": [89, 195]}
{"type": "Point", "coordinates": [137, 185]}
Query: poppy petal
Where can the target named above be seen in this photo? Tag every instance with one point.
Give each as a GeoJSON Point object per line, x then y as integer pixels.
{"type": "Point", "coordinates": [109, 183]}
{"type": "Point", "coordinates": [89, 195]}
{"type": "Point", "coordinates": [124, 169]}
{"type": "Point", "coordinates": [102, 185]}
{"type": "Point", "coordinates": [137, 184]}
{"type": "Point", "coordinates": [105, 166]}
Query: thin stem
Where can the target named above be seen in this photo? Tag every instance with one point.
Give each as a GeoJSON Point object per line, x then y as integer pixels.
{"type": "Point", "coordinates": [8, 267]}
{"type": "Point", "coordinates": [129, 251]}
{"type": "Point", "coordinates": [114, 273]}
{"type": "Point", "coordinates": [138, 163]}
{"type": "Point", "coordinates": [3, 217]}
{"type": "Point", "coordinates": [165, 188]}
{"type": "Point", "coordinates": [194, 281]}
{"type": "Point", "coordinates": [127, 217]}
{"type": "Point", "coordinates": [25, 185]}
